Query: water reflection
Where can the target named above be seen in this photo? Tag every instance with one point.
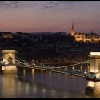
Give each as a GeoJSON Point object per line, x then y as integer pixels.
{"type": "Point", "coordinates": [93, 88]}
{"type": "Point", "coordinates": [42, 84]}
{"type": "Point", "coordinates": [8, 85]}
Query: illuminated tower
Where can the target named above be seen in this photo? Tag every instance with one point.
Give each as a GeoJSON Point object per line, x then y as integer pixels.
{"type": "Point", "coordinates": [9, 61]}
{"type": "Point", "coordinates": [72, 30]}
{"type": "Point", "coordinates": [93, 76]}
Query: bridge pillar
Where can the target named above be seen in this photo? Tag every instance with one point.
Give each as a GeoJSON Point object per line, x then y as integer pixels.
{"type": "Point", "coordinates": [9, 61]}
{"type": "Point", "coordinates": [81, 68]}
{"type": "Point", "coordinates": [24, 73]}
{"type": "Point", "coordinates": [93, 76]}
{"type": "Point", "coordinates": [32, 72]}
{"type": "Point", "coordinates": [73, 68]}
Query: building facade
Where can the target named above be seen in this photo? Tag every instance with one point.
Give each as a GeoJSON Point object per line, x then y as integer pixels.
{"type": "Point", "coordinates": [85, 37]}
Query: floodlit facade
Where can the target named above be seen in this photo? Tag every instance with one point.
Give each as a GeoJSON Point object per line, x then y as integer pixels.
{"type": "Point", "coordinates": [82, 37]}
{"type": "Point", "coordinates": [9, 61]}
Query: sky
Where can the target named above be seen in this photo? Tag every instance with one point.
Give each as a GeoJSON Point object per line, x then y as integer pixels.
{"type": "Point", "coordinates": [49, 16]}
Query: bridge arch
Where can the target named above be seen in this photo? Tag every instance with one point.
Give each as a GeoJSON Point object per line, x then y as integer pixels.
{"type": "Point", "coordinates": [9, 61]}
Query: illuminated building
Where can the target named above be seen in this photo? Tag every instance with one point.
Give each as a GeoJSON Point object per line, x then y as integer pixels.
{"type": "Point", "coordinates": [82, 37]}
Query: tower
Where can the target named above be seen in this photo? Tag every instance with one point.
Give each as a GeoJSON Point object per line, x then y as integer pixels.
{"type": "Point", "coordinates": [9, 61]}
{"type": "Point", "coordinates": [93, 76]}
{"type": "Point", "coordinates": [72, 30]}
{"type": "Point", "coordinates": [94, 62]}
{"type": "Point", "coordinates": [9, 55]}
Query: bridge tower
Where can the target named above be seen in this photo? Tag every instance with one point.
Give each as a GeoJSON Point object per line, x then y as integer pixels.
{"type": "Point", "coordinates": [93, 76]}
{"type": "Point", "coordinates": [9, 61]}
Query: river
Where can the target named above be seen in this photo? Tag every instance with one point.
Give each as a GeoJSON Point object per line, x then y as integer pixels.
{"type": "Point", "coordinates": [43, 84]}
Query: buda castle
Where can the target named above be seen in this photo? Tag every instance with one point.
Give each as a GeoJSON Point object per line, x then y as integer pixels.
{"type": "Point", "coordinates": [85, 37]}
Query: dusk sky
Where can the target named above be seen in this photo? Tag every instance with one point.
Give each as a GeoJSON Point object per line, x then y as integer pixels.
{"type": "Point", "coordinates": [50, 16]}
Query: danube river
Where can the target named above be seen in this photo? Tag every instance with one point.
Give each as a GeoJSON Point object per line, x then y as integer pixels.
{"type": "Point", "coordinates": [42, 84]}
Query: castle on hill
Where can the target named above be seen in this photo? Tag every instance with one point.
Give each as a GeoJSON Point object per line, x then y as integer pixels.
{"type": "Point", "coordinates": [83, 37]}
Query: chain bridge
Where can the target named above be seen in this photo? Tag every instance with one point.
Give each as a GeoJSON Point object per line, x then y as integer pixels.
{"type": "Point", "coordinates": [89, 69]}
{"type": "Point", "coordinates": [11, 62]}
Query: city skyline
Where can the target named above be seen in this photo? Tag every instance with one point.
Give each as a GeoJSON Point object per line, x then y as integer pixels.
{"type": "Point", "coordinates": [49, 16]}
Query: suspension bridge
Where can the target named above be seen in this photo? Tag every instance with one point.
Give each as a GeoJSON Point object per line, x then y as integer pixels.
{"type": "Point", "coordinates": [10, 61]}
{"type": "Point", "coordinates": [89, 69]}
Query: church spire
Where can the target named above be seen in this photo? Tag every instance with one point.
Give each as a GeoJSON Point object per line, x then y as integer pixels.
{"type": "Point", "coordinates": [72, 25]}
{"type": "Point", "coordinates": [72, 30]}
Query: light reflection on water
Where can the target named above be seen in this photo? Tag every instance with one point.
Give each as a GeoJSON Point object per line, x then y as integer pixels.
{"type": "Point", "coordinates": [42, 84]}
